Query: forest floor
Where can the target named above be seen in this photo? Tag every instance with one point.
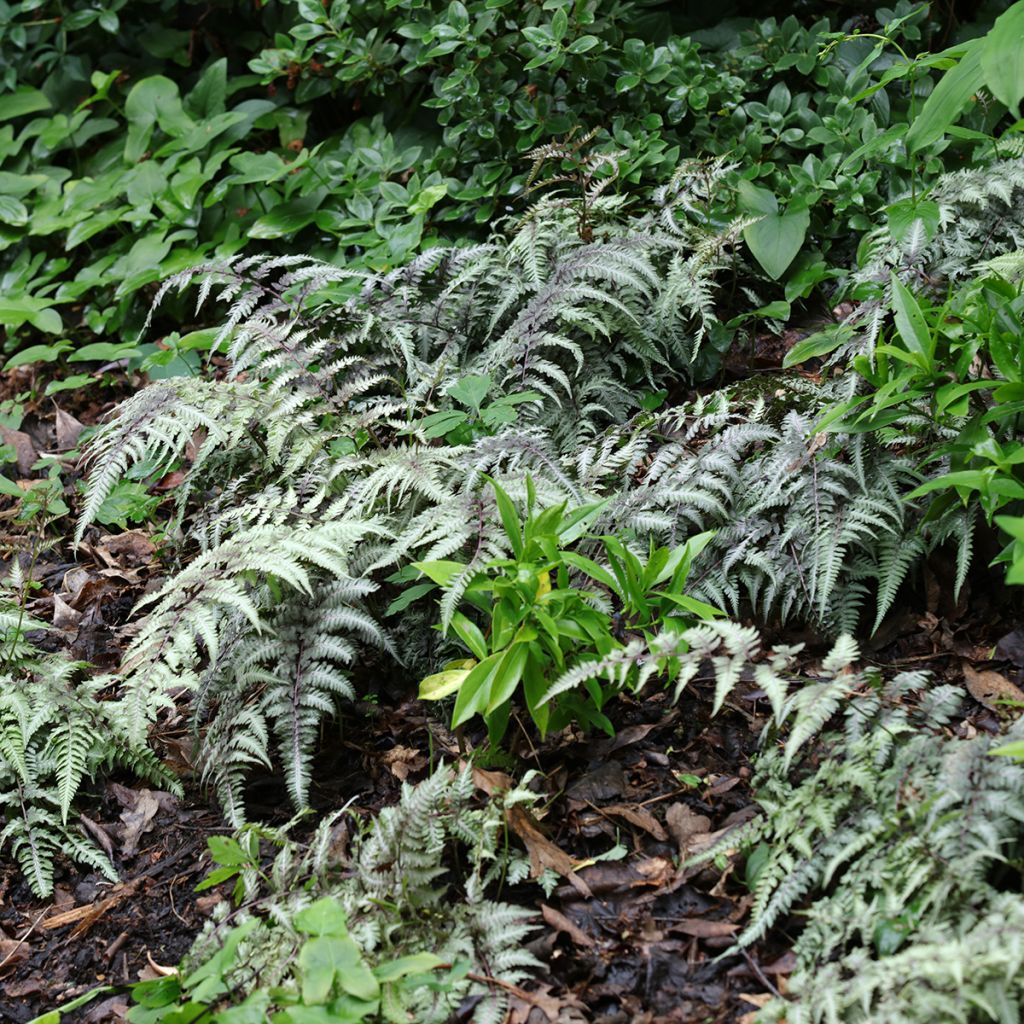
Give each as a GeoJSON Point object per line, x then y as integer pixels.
{"type": "Point", "coordinates": [628, 937]}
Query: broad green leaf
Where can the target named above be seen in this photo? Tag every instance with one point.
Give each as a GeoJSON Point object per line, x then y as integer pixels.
{"type": "Point", "coordinates": [442, 684]}
{"type": "Point", "coordinates": [903, 215]}
{"type": "Point", "coordinates": [911, 324]}
{"type": "Point", "coordinates": [23, 100]}
{"type": "Point", "coordinates": [38, 354]}
{"type": "Point", "coordinates": [506, 680]}
{"type": "Point", "coordinates": [153, 101]}
{"type": "Point", "coordinates": [475, 690]}
{"type": "Point", "coordinates": [590, 568]}
{"type": "Point", "coordinates": [471, 390]}
{"type": "Point", "coordinates": [225, 850]}
{"type": "Point", "coordinates": [509, 518]}
{"type": "Point", "coordinates": [13, 211]}
{"type": "Point", "coordinates": [72, 383]}
{"type": "Point", "coordinates": [469, 633]}
{"type": "Point", "coordinates": [407, 596]}
{"type": "Point", "coordinates": [441, 571]}
{"type": "Point", "coordinates": [1002, 57]}
{"type": "Point", "coordinates": [428, 198]}
{"type": "Point", "coordinates": [103, 351]}
{"type": "Point", "coordinates": [330, 959]}
{"type": "Point", "coordinates": [323, 917]}
{"type": "Point", "coordinates": [776, 239]}
{"type": "Point", "coordinates": [438, 424]}
{"type": "Point", "coordinates": [287, 218]}
{"type": "Point", "coordinates": [816, 345]}
{"type": "Point", "coordinates": [954, 91]}
{"type": "Point", "coordinates": [754, 199]}
{"type": "Point", "coordinates": [415, 963]}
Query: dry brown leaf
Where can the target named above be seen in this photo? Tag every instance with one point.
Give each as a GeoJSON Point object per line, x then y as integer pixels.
{"type": "Point", "coordinates": [639, 816]}
{"type": "Point", "coordinates": [28, 987]}
{"type": "Point", "coordinates": [68, 429]}
{"type": "Point", "coordinates": [64, 616]}
{"type": "Point", "coordinates": [12, 951]}
{"type": "Point", "coordinates": [403, 761]}
{"type": "Point", "coordinates": [703, 929]}
{"type": "Point", "coordinates": [131, 548]}
{"type": "Point", "coordinates": [99, 833]}
{"type": "Point", "coordinates": [561, 923]}
{"type": "Point", "coordinates": [138, 819]}
{"type": "Point", "coordinates": [542, 852]}
{"type": "Point", "coordinates": [24, 449]}
{"type": "Point", "coordinates": [685, 825]}
{"type": "Point", "coordinates": [989, 688]}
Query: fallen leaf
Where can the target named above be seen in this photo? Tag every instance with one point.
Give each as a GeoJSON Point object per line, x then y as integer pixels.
{"type": "Point", "coordinates": [68, 429]}
{"type": "Point", "coordinates": [703, 929]}
{"type": "Point", "coordinates": [1011, 648]}
{"type": "Point", "coordinates": [604, 783]}
{"type": "Point", "coordinates": [24, 449]}
{"type": "Point", "coordinates": [114, 1008]}
{"type": "Point", "coordinates": [131, 548]}
{"type": "Point", "coordinates": [28, 987]}
{"type": "Point", "coordinates": [786, 964]}
{"type": "Point", "coordinates": [64, 616]}
{"type": "Point", "coordinates": [685, 825]}
{"type": "Point", "coordinates": [639, 816]}
{"type": "Point", "coordinates": [138, 819]}
{"type": "Point", "coordinates": [12, 951]}
{"type": "Point", "coordinates": [561, 923]}
{"type": "Point", "coordinates": [99, 833]}
{"type": "Point", "coordinates": [542, 852]}
{"type": "Point", "coordinates": [990, 688]}
{"type": "Point", "coordinates": [403, 761]}
{"type": "Point", "coordinates": [631, 734]}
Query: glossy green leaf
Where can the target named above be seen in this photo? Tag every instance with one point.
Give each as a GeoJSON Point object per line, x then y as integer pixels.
{"type": "Point", "coordinates": [1002, 58]}
{"type": "Point", "coordinates": [955, 90]}
{"type": "Point", "coordinates": [775, 240]}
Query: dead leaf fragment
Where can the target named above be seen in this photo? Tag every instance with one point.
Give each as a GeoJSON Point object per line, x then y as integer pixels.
{"type": "Point", "coordinates": [68, 430]}
{"type": "Point", "coordinates": [542, 852]}
{"type": "Point", "coordinates": [131, 548]}
{"type": "Point", "coordinates": [561, 923]}
{"type": "Point", "coordinates": [403, 761]}
{"type": "Point", "coordinates": [703, 929]}
{"type": "Point", "coordinates": [138, 819]}
{"type": "Point", "coordinates": [685, 825]}
{"type": "Point", "coordinates": [638, 816]}
{"type": "Point", "coordinates": [64, 616]}
{"type": "Point", "coordinates": [24, 449]}
{"type": "Point", "coordinates": [991, 688]}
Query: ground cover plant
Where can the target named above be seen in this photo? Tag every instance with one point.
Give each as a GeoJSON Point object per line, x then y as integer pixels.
{"type": "Point", "coordinates": [511, 513]}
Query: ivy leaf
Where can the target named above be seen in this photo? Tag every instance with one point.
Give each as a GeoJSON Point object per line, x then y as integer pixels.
{"type": "Point", "coordinates": [330, 958]}
{"type": "Point", "coordinates": [776, 238]}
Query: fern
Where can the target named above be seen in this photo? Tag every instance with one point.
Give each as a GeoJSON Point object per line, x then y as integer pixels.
{"type": "Point", "coordinates": [55, 734]}
{"type": "Point", "coordinates": [393, 884]}
{"type": "Point", "coordinates": [885, 837]}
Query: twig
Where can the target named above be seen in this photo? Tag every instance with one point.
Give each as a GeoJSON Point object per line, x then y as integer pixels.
{"type": "Point", "coordinates": [762, 977]}
{"type": "Point", "coordinates": [21, 941]}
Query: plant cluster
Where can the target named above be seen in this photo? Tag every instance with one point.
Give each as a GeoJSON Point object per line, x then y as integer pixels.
{"type": "Point", "coordinates": [57, 733]}
{"type": "Point", "coordinates": [901, 847]}
{"type": "Point", "coordinates": [512, 446]}
{"type": "Point", "coordinates": [364, 930]}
